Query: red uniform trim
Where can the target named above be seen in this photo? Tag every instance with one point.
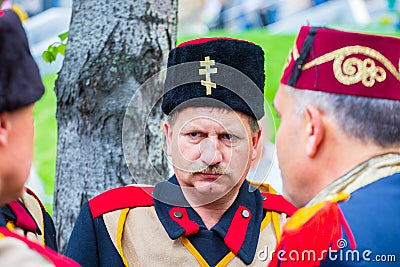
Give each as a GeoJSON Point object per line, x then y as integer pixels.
{"type": "Point", "coordinates": [237, 230]}
{"type": "Point", "coordinates": [278, 203]}
{"type": "Point", "coordinates": [183, 220]}
{"type": "Point", "coordinates": [23, 219]}
{"type": "Point", "coordinates": [347, 229]}
{"type": "Point", "coordinates": [121, 198]}
{"type": "Point", "coordinates": [52, 256]}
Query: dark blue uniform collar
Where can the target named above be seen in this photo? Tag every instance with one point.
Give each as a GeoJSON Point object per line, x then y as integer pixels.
{"type": "Point", "coordinates": [2, 220]}
{"type": "Point", "coordinates": [239, 227]}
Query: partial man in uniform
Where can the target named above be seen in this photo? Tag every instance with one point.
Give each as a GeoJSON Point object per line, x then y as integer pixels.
{"type": "Point", "coordinates": [206, 214]}
{"type": "Point", "coordinates": [20, 88]}
{"type": "Point", "coordinates": [27, 215]}
{"type": "Point", "coordinates": [338, 146]}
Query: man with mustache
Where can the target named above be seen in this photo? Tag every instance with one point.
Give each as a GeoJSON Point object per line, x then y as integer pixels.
{"type": "Point", "coordinates": [206, 214]}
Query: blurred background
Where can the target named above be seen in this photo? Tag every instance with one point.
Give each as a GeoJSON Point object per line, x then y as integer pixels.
{"type": "Point", "coordinates": [46, 19]}
{"type": "Point", "coordinates": [272, 24]}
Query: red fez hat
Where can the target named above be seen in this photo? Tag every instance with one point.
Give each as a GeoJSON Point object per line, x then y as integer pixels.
{"type": "Point", "coordinates": [346, 63]}
{"type": "Point", "coordinates": [20, 82]}
{"type": "Point", "coordinates": [213, 71]}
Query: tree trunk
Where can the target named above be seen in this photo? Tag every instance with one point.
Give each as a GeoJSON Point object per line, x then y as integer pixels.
{"type": "Point", "coordinates": [113, 47]}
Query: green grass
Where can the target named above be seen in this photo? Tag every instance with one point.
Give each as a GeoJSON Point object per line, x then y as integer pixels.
{"type": "Point", "coordinates": [276, 48]}
{"type": "Point", "coordinates": [46, 138]}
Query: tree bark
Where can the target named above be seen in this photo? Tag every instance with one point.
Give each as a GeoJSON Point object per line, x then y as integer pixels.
{"type": "Point", "coordinates": [113, 48]}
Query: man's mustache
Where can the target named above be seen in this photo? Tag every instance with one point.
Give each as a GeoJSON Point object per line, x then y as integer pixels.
{"type": "Point", "coordinates": [211, 169]}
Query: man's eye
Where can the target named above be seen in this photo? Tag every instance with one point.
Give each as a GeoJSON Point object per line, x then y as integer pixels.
{"type": "Point", "coordinates": [228, 137]}
{"type": "Point", "coordinates": [194, 134]}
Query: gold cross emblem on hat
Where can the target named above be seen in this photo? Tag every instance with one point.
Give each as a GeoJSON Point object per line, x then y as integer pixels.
{"type": "Point", "coordinates": [207, 63]}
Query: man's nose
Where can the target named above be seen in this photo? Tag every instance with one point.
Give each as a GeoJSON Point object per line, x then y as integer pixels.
{"type": "Point", "coordinates": [210, 150]}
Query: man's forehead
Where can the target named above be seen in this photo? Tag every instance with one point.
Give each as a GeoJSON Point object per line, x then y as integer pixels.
{"type": "Point", "coordinates": [210, 112]}
{"type": "Point", "coordinates": [191, 117]}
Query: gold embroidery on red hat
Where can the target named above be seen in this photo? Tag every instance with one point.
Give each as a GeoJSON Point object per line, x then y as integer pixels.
{"type": "Point", "coordinates": [356, 70]}
{"type": "Point", "coordinates": [295, 52]}
{"type": "Point", "coordinates": [207, 63]}
{"type": "Point", "coordinates": [353, 70]}
{"type": "Point", "coordinates": [293, 55]}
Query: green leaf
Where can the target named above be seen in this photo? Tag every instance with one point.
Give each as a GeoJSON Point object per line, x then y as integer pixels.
{"type": "Point", "coordinates": [48, 57]}
{"type": "Point", "coordinates": [63, 36]}
{"type": "Point", "coordinates": [53, 49]}
{"type": "Point", "coordinates": [61, 49]}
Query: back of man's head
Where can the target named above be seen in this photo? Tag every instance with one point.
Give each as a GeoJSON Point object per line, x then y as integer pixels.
{"type": "Point", "coordinates": [20, 87]}
{"type": "Point", "coordinates": [351, 77]}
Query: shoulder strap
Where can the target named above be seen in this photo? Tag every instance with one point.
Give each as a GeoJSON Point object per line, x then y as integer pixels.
{"type": "Point", "coordinates": [131, 196]}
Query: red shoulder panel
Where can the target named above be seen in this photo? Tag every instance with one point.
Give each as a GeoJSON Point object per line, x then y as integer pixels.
{"type": "Point", "coordinates": [278, 203]}
{"type": "Point", "coordinates": [121, 198]}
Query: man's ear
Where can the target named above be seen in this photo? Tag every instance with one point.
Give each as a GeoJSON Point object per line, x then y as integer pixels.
{"type": "Point", "coordinates": [5, 126]}
{"type": "Point", "coordinates": [168, 136]}
{"type": "Point", "coordinates": [256, 142]}
{"type": "Point", "coordinates": [315, 130]}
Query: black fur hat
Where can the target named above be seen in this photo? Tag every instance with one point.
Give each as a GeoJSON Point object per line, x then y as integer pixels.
{"type": "Point", "coordinates": [229, 71]}
{"type": "Point", "coordinates": [20, 82]}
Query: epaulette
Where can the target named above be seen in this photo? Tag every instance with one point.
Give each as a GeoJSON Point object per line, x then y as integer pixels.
{"type": "Point", "coordinates": [277, 203]}
{"type": "Point", "coordinates": [315, 228]}
{"type": "Point", "coordinates": [131, 196]}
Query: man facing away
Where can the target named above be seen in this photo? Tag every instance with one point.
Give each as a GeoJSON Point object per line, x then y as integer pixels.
{"type": "Point", "coordinates": [20, 88]}
{"type": "Point", "coordinates": [206, 214]}
{"type": "Point", "coordinates": [338, 146]}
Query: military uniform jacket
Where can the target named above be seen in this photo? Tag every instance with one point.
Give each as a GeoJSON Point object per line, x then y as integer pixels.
{"type": "Point", "coordinates": [353, 222]}
{"type": "Point", "coordinates": [146, 226]}
{"type": "Point", "coordinates": [28, 217]}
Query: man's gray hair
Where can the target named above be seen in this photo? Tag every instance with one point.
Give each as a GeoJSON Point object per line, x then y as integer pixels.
{"type": "Point", "coordinates": [367, 119]}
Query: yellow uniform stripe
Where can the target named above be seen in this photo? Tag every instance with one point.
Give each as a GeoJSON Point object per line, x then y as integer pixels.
{"type": "Point", "coordinates": [226, 260]}
{"type": "Point", "coordinates": [120, 230]}
{"type": "Point", "coordinates": [194, 251]}
{"type": "Point", "coordinates": [10, 226]}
